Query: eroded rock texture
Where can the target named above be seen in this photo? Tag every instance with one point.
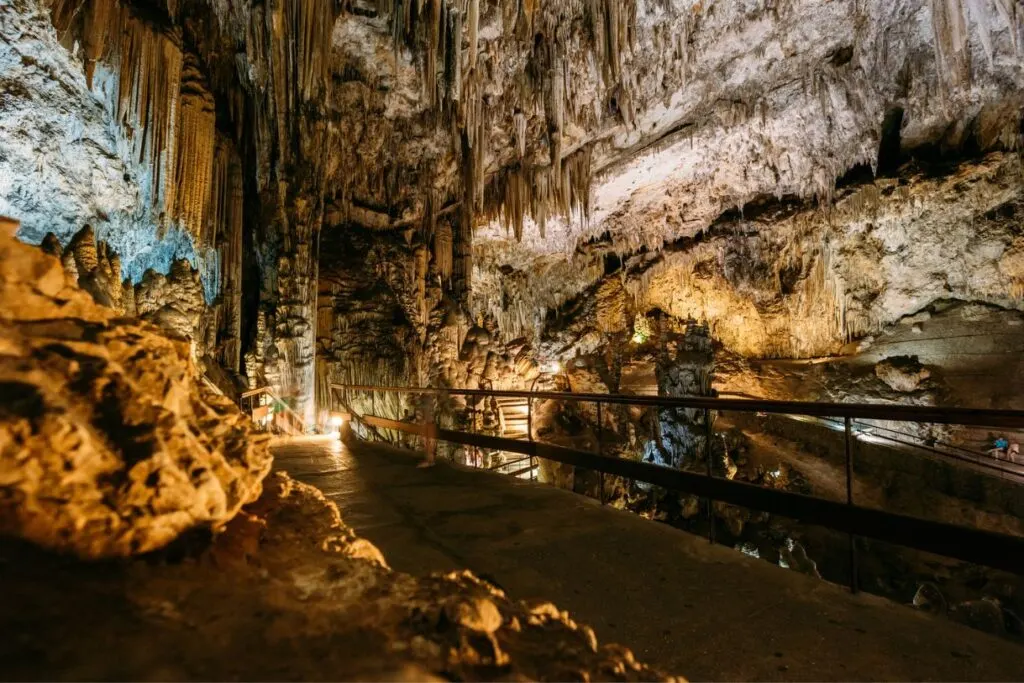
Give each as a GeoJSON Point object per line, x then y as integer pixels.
{"type": "Point", "coordinates": [109, 444]}
{"type": "Point", "coordinates": [287, 591]}
{"type": "Point", "coordinates": [524, 152]}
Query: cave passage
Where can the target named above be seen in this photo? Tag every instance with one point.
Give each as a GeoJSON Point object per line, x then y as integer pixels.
{"type": "Point", "coordinates": [662, 592]}
{"type": "Point", "coordinates": [259, 260]}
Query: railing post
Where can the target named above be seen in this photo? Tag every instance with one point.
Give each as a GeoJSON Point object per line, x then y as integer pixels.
{"type": "Point", "coordinates": [472, 428]}
{"type": "Point", "coordinates": [529, 418]}
{"type": "Point", "coordinates": [707, 457]}
{"type": "Point", "coordinates": [848, 437]}
{"type": "Point", "coordinates": [529, 430]}
{"type": "Point", "coordinates": [600, 451]}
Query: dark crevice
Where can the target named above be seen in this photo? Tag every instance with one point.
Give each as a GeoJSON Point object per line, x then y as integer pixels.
{"type": "Point", "coordinates": [612, 263]}
{"type": "Point", "coordinates": [890, 147]}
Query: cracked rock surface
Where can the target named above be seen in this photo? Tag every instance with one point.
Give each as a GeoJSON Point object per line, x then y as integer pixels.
{"type": "Point", "coordinates": [109, 444]}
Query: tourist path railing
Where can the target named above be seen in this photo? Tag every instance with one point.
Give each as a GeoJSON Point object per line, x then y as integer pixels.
{"type": "Point", "coordinates": [286, 420]}
{"type": "Point", "coordinates": [987, 548]}
{"type": "Point", "coordinates": [936, 449]}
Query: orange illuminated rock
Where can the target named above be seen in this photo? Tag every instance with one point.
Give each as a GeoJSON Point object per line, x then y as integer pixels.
{"type": "Point", "coordinates": [109, 443]}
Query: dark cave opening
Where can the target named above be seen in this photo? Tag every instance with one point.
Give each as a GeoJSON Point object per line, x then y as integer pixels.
{"type": "Point", "coordinates": [890, 145]}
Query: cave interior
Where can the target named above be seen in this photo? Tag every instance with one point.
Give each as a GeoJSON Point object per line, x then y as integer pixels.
{"type": "Point", "coordinates": [214, 204]}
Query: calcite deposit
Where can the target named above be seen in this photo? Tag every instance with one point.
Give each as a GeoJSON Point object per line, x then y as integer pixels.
{"type": "Point", "coordinates": [466, 193]}
{"type": "Point", "coordinates": [797, 175]}
{"type": "Point", "coordinates": [109, 444]}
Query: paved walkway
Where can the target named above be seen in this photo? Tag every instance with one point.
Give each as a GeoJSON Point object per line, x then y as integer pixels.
{"type": "Point", "coordinates": [681, 604]}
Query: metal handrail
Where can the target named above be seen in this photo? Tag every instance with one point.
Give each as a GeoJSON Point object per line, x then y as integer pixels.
{"type": "Point", "coordinates": [974, 458]}
{"type": "Point", "coordinates": [977, 417]}
{"type": "Point", "coordinates": [992, 549]}
{"type": "Point", "coordinates": [267, 390]}
{"type": "Point", "coordinates": [877, 427]}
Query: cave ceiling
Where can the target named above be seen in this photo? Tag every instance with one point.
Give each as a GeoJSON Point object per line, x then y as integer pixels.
{"type": "Point", "coordinates": [657, 116]}
{"type": "Point", "coordinates": [524, 150]}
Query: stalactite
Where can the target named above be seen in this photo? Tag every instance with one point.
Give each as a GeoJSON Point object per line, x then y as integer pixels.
{"type": "Point", "coordinates": [473, 31]}
{"type": "Point", "coordinates": [102, 17]}
{"type": "Point", "coordinates": [195, 153]}
{"type": "Point", "coordinates": [443, 245]}
{"type": "Point", "coordinates": [517, 193]}
{"type": "Point", "coordinates": [952, 54]}
{"type": "Point", "coordinates": [519, 119]}
{"type": "Point", "coordinates": [435, 26]}
{"type": "Point", "coordinates": [226, 219]}
{"type": "Point", "coordinates": [611, 24]}
{"type": "Point", "coordinates": [420, 273]}
{"type": "Point", "coordinates": [452, 50]}
{"type": "Point", "coordinates": [311, 24]}
{"type": "Point", "coordinates": [149, 88]}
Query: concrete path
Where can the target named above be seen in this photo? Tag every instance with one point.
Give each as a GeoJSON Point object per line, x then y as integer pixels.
{"type": "Point", "coordinates": [681, 604]}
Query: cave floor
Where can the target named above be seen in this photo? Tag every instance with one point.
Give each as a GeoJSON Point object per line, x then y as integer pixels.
{"type": "Point", "coordinates": [683, 605]}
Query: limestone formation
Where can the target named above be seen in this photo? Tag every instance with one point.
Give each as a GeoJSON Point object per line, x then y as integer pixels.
{"type": "Point", "coordinates": [111, 446]}
{"type": "Point", "coordinates": [456, 193]}
{"type": "Point", "coordinates": [902, 373]}
{"type": "Point", "coordinates": [287, 590]}
{"type": "Point", "coordinates": [173, 302]}
{"type": "Point", "coordinates": [754, 166]}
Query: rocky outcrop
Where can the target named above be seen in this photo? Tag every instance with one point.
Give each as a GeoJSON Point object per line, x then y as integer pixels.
{"type": "Point", "coordinates": [173, 302]}
{"type": "Point", "coordinates": [902, 373]}
{"type": "Point", "coordinates": [111, 445]}
{"type": "Point", "coordinates": [287, 591]}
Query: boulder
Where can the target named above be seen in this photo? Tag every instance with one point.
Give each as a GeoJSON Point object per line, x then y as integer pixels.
{"type": "Point", "coordinates": [930, 599]}
{"type": "Point", "coordinates": [902, 373]}
{"type": "Point", "coordinates": [110, 444]}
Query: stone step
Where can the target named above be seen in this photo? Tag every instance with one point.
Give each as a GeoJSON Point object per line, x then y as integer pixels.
{"type": "Point", "coordinates": [515, 413]}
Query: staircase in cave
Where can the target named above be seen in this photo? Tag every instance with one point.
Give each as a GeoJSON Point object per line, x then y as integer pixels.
{"type": "Point", "coordinates": [513, 423]}
{"type": "Point", "coordinates": [513, 416]}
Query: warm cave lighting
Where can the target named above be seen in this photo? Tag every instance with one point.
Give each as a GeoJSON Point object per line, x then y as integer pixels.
{"type": "Point", "coordinates": [551, 367]}
{"type": "Point", "coordinates": [335, 423]}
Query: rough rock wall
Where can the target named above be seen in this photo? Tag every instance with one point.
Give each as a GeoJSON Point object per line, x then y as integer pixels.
{"type": "Point", "coordinates": [800, 283]}
{"type": "Point", "coordinates": [174, 302]}
{"type": "Point", "coordinates": [206, 138]}
{"type": "Point", "coordinates": [595, 127]}
{"type": "Point", "coordinates": [369, 324]}
{"type": "Point", "coordinates": [745, 100]}
{"type": "Point", "coordinates": [388, 317]}
{"type": "Point", "coordinates": [111, 444]}
{"type": "Point", "coordinates": [64, 162]}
